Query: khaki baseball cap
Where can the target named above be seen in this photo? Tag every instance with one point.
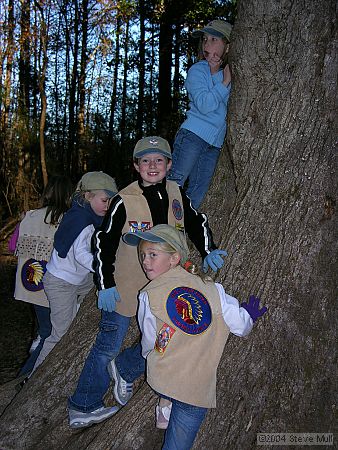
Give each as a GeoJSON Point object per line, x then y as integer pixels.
{"type": "Point", "coordinates": [217, 28]}
{"type": "Point", "coordinates": [152, 144]}
{"type": "Point", "coordinates": [93, 181]}
{"type": "Point", "coordinates": [161, 233]}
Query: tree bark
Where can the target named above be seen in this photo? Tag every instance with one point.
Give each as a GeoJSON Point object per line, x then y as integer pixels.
{"type": "Point", "coordinates": [272, 206]}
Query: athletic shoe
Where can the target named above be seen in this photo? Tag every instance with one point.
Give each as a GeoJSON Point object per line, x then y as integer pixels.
{"type": "Point", "coordinates": [162, 417]}
{"type": "Point", "coordinates": [35, 343]}
{"type": "Point", "coordinates": [78, 419]}
{"type": "Point", "coordinates": [123, 391]}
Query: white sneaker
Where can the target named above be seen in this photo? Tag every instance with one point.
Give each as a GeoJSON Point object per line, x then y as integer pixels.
{"type": "Point", "coordinates": [123, 391]}
{"type": "Point", "coordinates": [35, 343]}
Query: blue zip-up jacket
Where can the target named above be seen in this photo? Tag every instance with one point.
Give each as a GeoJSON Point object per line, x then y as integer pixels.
{"type": "Point", "coordinates": [208, 97]}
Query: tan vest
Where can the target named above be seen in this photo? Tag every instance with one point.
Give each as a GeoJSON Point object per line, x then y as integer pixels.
{"type": "Point", "coordinates": [34, 247]}
{"type": "Point", "coordinates": [129, 276]}
{"type": "Point", "coordinates": [190, 337]}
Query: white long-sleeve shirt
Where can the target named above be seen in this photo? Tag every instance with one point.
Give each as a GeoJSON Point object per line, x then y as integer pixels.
{"type": "Point", "coordinates": [236, 318]}
{"type": "Point", "coordinates": [78, 262]}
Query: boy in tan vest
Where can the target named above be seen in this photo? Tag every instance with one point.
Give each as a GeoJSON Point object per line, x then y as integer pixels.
{"type": "Point", "coordinates": [179, 315]}
{"type": "Point", "coordinates": [141, 205]}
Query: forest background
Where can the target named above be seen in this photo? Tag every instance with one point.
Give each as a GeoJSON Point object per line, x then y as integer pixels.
{"type": "Point", "coordinates": [82, 81]}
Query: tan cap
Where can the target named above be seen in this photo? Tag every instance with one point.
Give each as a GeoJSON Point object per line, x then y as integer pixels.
{"type": "Point", "coordinates": [217, 28]}
{"type": "Point", "coordinates": [161, 233]}
{"type": "Point", "coordinates": [152, 144]}
{"type": "Point", "coordinates": [93, 181]}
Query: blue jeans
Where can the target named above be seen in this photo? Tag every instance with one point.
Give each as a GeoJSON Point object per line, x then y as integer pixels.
{"type": "Point", "coordinates": [195, 159]}
{"type": "Point", "coordinates": [184, 423]}
{"type": "Point", "coordinates": [44, 330]}
{"type": "Point", "coordinates": [94, 380]}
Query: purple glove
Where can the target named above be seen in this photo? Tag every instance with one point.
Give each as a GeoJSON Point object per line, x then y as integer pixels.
{"type": "Point", "coordinates": [253, 308]}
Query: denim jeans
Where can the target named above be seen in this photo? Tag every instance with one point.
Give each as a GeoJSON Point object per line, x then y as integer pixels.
{"type": "Point", "coordinates": [195, 159]}
{"type": "Point", "coordinates": [94, 380]}
{"type": "Point", "coordinates": [44, 329]}
{"type": "Point", "coordinates": [130, 363]}
{"type": "Point", "coordinates": [185, 421]}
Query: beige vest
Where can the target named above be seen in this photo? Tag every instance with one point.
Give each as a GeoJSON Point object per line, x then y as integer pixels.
{"type": "Point", "coordinates": [129, 276]}
{"type": "Point", "coordinates": [189, 346]}
{"type": "Point", "coordinates": [33, 249]}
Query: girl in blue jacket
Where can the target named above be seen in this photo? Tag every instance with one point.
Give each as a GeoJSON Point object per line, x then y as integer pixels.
{"type": "Point", "coordinates": [200, 138]}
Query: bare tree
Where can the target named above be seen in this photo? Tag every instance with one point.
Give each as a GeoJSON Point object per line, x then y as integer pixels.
{"type": "Point", "coordinates": [141, 70]}
{"type": "Point", "coordinates": [272, 206]}
{"type": "Point", "coordinates": [5, 89]}
{"type": "Point", "coordinates": [42, 78]}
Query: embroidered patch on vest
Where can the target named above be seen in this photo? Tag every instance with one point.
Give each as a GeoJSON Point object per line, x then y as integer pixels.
{"type": "Point", "coordinates": [189, 310]}
{"type": "Point", "coordinates": [138, 226]}
{"type": "Point", "coordinates": [177, 209]}
{"type": "Point", "coordinates": [163, 338]}
{"type": "Point", "coordinates": [32, 273]}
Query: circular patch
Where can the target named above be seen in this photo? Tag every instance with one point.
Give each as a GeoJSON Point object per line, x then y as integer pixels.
{"type": "Point", "coordinates": [177, 209]}
{"type": "Point", "coordinates": [32, 273]}
{"type": "Point", "coordinates": [189, 310]}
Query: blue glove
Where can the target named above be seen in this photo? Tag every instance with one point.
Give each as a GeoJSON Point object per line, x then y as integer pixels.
{"type": "Point", "coordinates": [108, 298]}
{"type": "Point", "coordinates": [214, 260]}
{"type": "Point", "coordinates": [253, 308]}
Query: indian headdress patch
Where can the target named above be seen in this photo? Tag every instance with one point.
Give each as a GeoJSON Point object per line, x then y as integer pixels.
{"type": "Point", "coordinates": [189, 310]}
{"type": "Point", "coordinates": [32, 273]}
{"type": "Point", "coordinates": [134, 226]}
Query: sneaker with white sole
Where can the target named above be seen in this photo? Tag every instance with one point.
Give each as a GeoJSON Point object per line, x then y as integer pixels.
{"type": "Point", "coordinates": [123, 391]}
{"type": "Point", "coordinates": [35, 343]}
{"type": "Point", "coordinates": [163, 416]}
{"type": "Point", "coordinates": [78, 419]}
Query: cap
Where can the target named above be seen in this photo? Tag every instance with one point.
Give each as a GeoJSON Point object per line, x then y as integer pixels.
{"type": "Point", "coordinates": [152, 144]}
{"type": "Point", "coordinates": [218, 28]}
{"type": "Point", "coordinates": [161, 233]}
{"type": "Point", "coordinates": [92, 181]}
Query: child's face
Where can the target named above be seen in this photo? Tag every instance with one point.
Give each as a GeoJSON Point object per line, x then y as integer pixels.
{"type": "Point", "coordinates": [213, 48]}
{"type": "Point", "coordinates": [155, 261]}
{"type": "Point", "coordinates": [99, 202]}
{"type": "Point", "coordinates": [152, 167]}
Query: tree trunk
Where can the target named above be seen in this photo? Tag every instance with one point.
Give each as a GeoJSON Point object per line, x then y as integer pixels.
{"type": "Point", "coordinates": [123, 130]}
{"type": "Point", "coordinates": [82, 84]}
{"type": "Point", "coordinates": [42, 78]}
{"type": "Point", "coordinates": [115, 82]}
{"type": "Point", "coordinates": [272, 206]}
{"type": "Point", "coordinates": [141, 71]}
{"type": "Point", "coordinates": [5, 90]}
{"type": "Point", "coordinates": [164, 71]}
{"type": "Point", "coordinates": [72, 135]}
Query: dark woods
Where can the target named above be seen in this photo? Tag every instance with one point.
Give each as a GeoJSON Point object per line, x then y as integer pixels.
{"type": "Point", "coordinates": [82, 81]}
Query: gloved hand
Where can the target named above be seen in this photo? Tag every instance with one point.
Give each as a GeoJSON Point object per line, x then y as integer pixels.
{"type": "Point", "coordinates": [214, 260]}
{"type": "Point", "coordinates": [253, 308]}
{"type": "Point", "coordinates": [108, 298]}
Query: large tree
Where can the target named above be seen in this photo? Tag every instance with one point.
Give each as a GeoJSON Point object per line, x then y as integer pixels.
{"type": "Point", "coordinates": [272, 206]}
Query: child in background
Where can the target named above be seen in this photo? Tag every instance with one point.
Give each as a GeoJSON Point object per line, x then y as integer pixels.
{"type": "Point", "coordinates": [69, 277]}
{"type": "Point", "coordinates": [33, 249]}
{"type": "Point", "coordinates": [141, 205]}
{"type": "Point", "coordinates": [185, 322]}
{"type": "Point", "coordinates": [200, 138]}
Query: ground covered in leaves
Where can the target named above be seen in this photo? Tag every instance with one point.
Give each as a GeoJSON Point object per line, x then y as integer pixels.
{"type": "Point", "coordinates": [17, 325]}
